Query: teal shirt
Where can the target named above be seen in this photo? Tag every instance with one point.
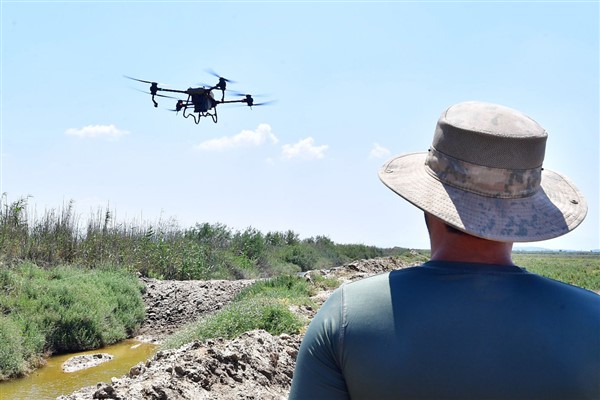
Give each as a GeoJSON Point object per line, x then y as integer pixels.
{"type": "Point", "coordinates": [453, 331]}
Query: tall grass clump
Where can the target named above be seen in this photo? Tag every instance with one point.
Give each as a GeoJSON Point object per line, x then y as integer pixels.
{"type": "Point", "coordinates": [263, 305]}
{"type": "Point", "coordinates": [63, 309]}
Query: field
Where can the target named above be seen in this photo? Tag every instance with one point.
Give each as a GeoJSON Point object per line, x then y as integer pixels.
{"type": "Point", "coordinates": [577, 268]}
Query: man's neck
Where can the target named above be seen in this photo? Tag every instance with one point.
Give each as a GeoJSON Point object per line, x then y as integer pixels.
{"type": "Point", "coordinates": [474, 252]}
{"type": "Point", "coordinates": [451, 245]}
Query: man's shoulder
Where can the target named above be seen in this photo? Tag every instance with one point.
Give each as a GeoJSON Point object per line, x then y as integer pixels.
{"type": "Point", "coordinates": [567, 290]}
{"type": "Point", "coordinates": [379, 282]}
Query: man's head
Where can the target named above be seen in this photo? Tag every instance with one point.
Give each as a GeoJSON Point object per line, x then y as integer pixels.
{"type": "Point", "coordinates": [483, 175]}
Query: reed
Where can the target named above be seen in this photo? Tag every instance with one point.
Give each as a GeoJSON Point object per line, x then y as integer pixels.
{"type": "Point", "coordinates": [162, 249]}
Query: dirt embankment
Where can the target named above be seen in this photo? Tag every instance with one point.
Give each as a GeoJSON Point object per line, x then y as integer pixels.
{"type": "Point", "coordinates": [256, 365]}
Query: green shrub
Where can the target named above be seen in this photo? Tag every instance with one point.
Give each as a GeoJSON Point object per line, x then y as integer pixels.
{"type": "Point", "coordinates": [302, 255]}
{"type": "Point", "coordinates": [12, 354]}
{"type": "Point", "coordinates": [65, 309]}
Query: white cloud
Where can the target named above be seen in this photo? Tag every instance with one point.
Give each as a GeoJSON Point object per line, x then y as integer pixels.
{"type": "Point", "coordinates": [109, 132]}
{"type": "Point", "coordinates": [305, 149]}
{"type": "Point", "coordinates": [245, 138]}
{"type": "Point", "coordinates": [379, 151]}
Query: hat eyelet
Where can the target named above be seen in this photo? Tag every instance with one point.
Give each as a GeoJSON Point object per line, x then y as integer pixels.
{"type": "Point", "coordinates": [574, 202]}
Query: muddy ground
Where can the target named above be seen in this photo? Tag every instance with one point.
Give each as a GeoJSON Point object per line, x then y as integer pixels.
{"type": "Point", "coordinates": [256, 365]}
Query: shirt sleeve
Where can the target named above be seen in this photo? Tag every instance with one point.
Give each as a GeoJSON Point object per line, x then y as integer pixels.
{"type": "Point", "coordinates": [318, 372]}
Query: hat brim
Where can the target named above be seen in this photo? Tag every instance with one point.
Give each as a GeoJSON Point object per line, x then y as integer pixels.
{"type": "Point", "coordinates": [557, 208]}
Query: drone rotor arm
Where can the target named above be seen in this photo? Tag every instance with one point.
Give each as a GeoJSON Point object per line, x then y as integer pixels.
{"type": "Point", "coordinates": [232, 101]}
{"type": "Point", "coordinates": [172, 90]}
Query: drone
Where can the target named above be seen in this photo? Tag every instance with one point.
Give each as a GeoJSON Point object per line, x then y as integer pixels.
{"type": "Point", "coordinates": [201, 101]}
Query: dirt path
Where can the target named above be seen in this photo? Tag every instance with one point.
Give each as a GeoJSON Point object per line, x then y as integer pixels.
{"type": "Point", "coordinates": [256, 365]}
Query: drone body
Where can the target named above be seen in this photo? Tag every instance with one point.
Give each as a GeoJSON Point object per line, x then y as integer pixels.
{"type": "Point", "coordinates": [200, 101]}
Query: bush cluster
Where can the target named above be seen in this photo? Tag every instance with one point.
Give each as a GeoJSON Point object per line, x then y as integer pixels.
{"type": "Point", "coordinates": [61, 310]}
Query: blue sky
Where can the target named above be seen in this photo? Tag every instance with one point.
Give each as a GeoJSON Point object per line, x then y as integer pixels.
{"type": "Point", "coordinates": [355, 84]}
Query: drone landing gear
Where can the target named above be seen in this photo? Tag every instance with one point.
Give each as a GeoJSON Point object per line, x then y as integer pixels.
{"type": "Point", "coordinates": [199, 116]}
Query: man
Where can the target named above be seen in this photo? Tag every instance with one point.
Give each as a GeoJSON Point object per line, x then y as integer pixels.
{"type": "Point", "coordinates": [468, 324]}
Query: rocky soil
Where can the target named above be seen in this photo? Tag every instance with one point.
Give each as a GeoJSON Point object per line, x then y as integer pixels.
{"type": "Point", "coordinates": [78, 363]}
{"type": "Point", "coordinates": [256, 365]}
{"type": "Point", "coordinates": [172, 304]}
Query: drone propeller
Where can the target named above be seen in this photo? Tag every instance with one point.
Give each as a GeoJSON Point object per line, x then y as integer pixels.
{"type": "Point", "coordinates": [143, 81]}
{"type": "Point", "coordinates": [264, 103]}
{"type": "Point", "coordinates": [249, 102]}
{"type": "Point", "coordinates": [249, 99]}
{"type": "Point", "coordinates": [252, 104]}
{"type": "Point", "coordinates": [140, 80]}
{"type": "Point", "coordinates": [242, 94]}
{"type": "Point", "coordinates": [213, 73]}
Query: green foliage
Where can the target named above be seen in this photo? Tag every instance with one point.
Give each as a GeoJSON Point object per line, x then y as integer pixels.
{"type": "Point", "coordinates": [264, 305]}
{"type": "Point", "coordinates": [288, 287]}
{"type": "Point", "coordinates": [321, 282]}
{"type": "Point", "coordinates": [11, 348]}
{"type": "Point", "coordinates": [64, 309]}
{"type": "Point", "coordinates": [162, 249]}
{"type": "Point", "coordinates": [237, 318]}
{"type": "Point", "coordinates": [249, 243]}
{"type": "Point", "coordinates": [303, 255]}
{"type": "Point", "coordinates": [360, 251]}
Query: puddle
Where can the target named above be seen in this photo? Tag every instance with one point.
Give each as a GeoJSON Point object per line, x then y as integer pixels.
{"type": "Point", "coordinates": [50, 381]}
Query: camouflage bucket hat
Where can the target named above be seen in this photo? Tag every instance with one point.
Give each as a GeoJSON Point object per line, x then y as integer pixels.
{"type": "Point", "coordinates": [483, 175]}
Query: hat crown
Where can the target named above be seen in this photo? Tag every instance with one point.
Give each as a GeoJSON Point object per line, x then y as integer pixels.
{"type": "Point", "coordinates": [483, 175]}
{"type": "Point", "coordinates": [490, 135]}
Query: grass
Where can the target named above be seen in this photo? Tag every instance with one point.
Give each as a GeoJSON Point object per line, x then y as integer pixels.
{"type": "Point", "coordinates": [579, 269]}
{"type": "Point", "coordinates": [63, 309]}
{"type": "Point", "coordinates": [264, 305]}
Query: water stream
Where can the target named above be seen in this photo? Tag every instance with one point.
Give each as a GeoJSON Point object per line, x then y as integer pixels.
{"type": "Point", "coordinates": [50, 381]}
